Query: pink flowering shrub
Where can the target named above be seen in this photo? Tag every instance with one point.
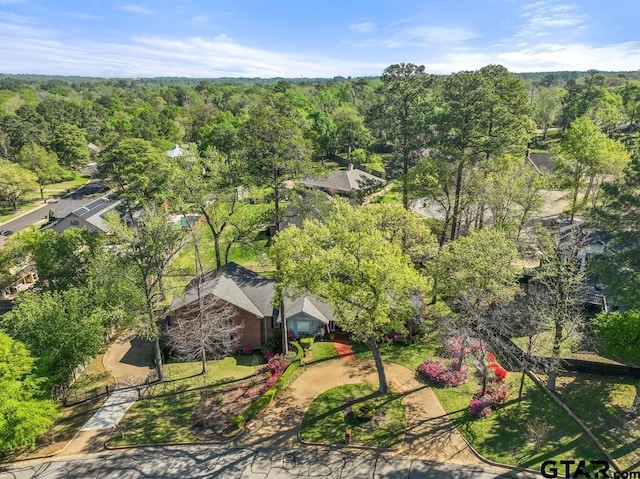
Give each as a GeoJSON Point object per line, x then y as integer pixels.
{"type": "Point", "coordinates": [453, 347]}
{"type": "Point", "coordinates": [483, 405]}
{"type": "Point", "coordinates": [246, 350]}
{"type": "Point", "coordinates": [445, 375]}
{"type": "Point", "coordinates": [276, 365]}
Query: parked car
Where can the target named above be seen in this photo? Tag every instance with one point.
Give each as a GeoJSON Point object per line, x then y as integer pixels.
{"type": "Point", "coordinates": [6, 232]}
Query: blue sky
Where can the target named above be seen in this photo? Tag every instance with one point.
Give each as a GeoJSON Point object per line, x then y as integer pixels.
{"type": "Point", "coordinates": [306, 38]}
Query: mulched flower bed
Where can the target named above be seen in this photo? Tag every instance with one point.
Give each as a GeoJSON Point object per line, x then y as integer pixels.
{"type": "Point", "coordinates": [213, 416]}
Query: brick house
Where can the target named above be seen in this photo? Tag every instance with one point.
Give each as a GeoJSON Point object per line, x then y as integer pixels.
{"type": "Point", "coordinates": [246, 292]}
{"type": "Point", "coordinates": [251, 298]}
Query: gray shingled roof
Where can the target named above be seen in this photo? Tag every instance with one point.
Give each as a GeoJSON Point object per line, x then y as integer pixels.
{"type": "Point", "coordinates": [64, 207]}
{"type": "Point", "coordinates": [342, 180]}
{"type": "Point", "coordinates": [236, 285]}
{"type": "Point", "coordinates": [308, 305]}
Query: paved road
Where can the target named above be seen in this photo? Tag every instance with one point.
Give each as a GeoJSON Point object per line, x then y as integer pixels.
{"type": "Point", "coordinates": [39, 215]}
{"type": "Point", "coordinates": [229, 462]}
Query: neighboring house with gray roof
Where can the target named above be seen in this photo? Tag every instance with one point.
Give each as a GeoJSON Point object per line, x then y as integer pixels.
{"type": "Point", "coordinates": [251, 296]}
{"type": "Point", "coordinates": [344, 182]}
{"type": "Point", "coordinates": [89, 216]}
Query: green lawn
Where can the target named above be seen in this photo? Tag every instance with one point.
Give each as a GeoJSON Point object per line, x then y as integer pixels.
{"type": "Point", "coordinates": [326, 422]}
{"type": "Point", "coordinates": [509, 434]}
{"type": "Point", "coordinates": [543, 342]}
{"type": "Point", "coordinates": [602, 404]}
{"type": "Point", "coordinates": [504, 435]}
{"type": "Point", "coordinates": [164, 414]}
{"type": "Point", "coordinates": [323, 350]}
{"type": "Point", "coordinates": [32, 200]}
{"type": "Point", "coordinates": [94, 380]}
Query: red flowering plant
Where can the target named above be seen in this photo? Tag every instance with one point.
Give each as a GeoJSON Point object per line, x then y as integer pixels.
{"type": "Point", "coordinates": [493, 393]}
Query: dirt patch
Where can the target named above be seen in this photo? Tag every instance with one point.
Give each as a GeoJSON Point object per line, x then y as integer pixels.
{"type": "Point", "coordinates": [213, 416]}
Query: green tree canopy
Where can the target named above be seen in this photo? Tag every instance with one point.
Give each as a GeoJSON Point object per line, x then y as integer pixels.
{"type": "Point", "coordinates": [43, 163]}
{"type": "Point", "coordinates": [480, 267]}
{"type": "Point", "coordinates": [70, 144]}
{"type": "Point", "coordinates": [62, 328]}
{"type": "Point", "coordinates": [24, 412]}
{"type": "Point", "coordinates": [15, 182]}
{"type": "Point", "coordinates": [274, 148]}
{"type": "Point", "coordinates": [619, 216]}
{"type": "Point", "coordinates": [137, 170]}
{"type": "Point", "coordinates": [585, 156]}
{"type": "Point", "coordinates": [348, 262]}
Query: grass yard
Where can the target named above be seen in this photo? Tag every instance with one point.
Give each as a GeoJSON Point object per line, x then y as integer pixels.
{"type": "Point", "coordinates": [94, 380]}
{"type": "Point", "coordinates": [164, 414]}
{"type": "Point", "coordinates": [409, 356]}
{"type": "Point", "coordinates": [32, 200]}
{"type": "Point", "coordinates": [323, 350]}
{"type": "Point", "coordinates": [543, 343]}
{"type": "Point", "coordinates": [602, 404]}
{"type": "Point", "coordinates": [332, 413]}
{"type": "Point", "coordinates": [522, 433]}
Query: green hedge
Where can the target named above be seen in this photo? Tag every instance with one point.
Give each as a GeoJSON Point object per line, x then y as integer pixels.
{"type": "Point", "coordinates": [263, 401]}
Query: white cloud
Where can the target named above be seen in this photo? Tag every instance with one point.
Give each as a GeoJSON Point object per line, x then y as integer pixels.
{"type": "Point", "coordinates": [365, 27]}
{"type": "Point", "coordinates": [136, 8]}
{"type": "Point", "coordinates": [545, 57]}
{"type": "Point", "coordinates": [544, 18]}
{"type": "Point", "coordinates": [148, 56]}
{"type": "Point", "coordinates": [404, 36]}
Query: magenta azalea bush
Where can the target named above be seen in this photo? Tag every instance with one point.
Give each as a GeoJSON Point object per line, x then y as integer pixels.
{"type": "Point", "coordinates": [445, 375]}
{"type": "Point", "coordinates": [483, 405]}
{"type": "Point", "coordinates": [276, 365]}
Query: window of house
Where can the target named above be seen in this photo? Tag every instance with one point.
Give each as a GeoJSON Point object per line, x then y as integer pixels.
{"type": "Point", "coordinates": [74, 223]}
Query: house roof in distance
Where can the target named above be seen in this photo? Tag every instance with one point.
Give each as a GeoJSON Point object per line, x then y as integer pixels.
{"type": "Point", "coordinates": [344, 181]}
{"type": "Point", "coordinates": [235, 285]}
{"type": "Point", "coordinates": [94, 212]}
{"type": "Point", "coordinates": [175, 152]}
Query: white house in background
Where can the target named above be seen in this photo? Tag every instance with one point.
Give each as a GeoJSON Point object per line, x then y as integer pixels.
{"type": "Point", "coordinates": [175, 152]}
{"type": "Point", "coordinates": [89, 216]}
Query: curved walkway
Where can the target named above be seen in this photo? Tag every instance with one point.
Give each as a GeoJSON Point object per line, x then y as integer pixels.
{"type": "Point", "coordinates": [429, 432]}
{"type": "Point", "coordinates": [129, 360]}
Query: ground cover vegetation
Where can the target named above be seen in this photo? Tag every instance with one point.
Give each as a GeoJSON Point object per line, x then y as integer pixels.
{"type": "Point", "coordinates": [460, 149]}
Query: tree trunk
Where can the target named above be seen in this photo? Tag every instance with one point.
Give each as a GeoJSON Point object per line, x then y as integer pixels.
{"type": "Point", "coordinates": [285, 337]}
{"type": "Point", "coordinates": [382, 377]}
{"type": "Point", "coordinates": [463, 346]}
{"type": "Point", "coordinates": [42, 194]}
{"type": "Point", "coordinates": [158, 359]}
{"type": "Point", "coordinates": [456, 203]}
{"type": "Point", "coordinates": [636, 400]}
{"type": "Point", "coordinates": [203, 358]}
{"type": "Point", "coordinates": [555, 355]}
{"type": "Point", "coordinates": [551, 382]}
{"type": "Point", "coordinates": [216, 246]}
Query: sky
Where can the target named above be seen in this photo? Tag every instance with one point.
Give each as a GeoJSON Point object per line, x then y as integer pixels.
{"type": "Point", "coordinates": [306, 38]}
